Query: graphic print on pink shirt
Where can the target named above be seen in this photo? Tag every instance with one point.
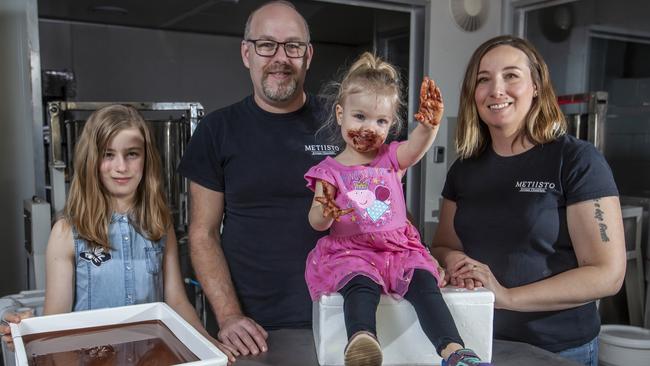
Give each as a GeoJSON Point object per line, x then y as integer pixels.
{"type": "Point", "coordinates": [370, 203]}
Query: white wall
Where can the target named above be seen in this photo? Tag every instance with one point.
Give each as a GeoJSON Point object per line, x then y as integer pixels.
{"type": "Point", "coordinates": [16, 144]}
{"type": "Point", "coordinates": [449, 51]}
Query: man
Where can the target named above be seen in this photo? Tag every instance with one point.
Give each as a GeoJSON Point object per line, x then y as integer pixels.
{"type": "Point", "coordinates": [246, 164]}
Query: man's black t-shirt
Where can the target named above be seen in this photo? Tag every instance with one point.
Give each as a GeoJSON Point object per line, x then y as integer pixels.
{"type": "Point", "coordinates": [511, 215]}
{"type": "Point", "coordinates": [258, 159]}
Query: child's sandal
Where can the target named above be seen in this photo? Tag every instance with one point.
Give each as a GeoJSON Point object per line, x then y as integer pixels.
{"type": "Point", "coordinates": [464, 357]}
{"type": "Point", "coordinates": [363, 350]}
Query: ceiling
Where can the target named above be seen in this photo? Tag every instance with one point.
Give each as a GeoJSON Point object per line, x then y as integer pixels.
{"type": "Point", "coordinates": [329, 23]}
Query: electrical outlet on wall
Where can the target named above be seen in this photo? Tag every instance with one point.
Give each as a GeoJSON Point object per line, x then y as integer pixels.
{"type": "Point", "coordinates": [438, 154]}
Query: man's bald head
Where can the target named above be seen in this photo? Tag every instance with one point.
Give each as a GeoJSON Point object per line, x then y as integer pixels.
{"type": "Point", "coordinates": [249, 21]}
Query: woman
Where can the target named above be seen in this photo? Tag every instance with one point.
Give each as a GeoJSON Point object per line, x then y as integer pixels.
{"type": "Point", "coordinates": [529, 212]}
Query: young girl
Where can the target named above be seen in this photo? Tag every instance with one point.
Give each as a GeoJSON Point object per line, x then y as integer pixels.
{"type": "Point", "coordinates": [371, 247]}
{"type": "Point", "coordinates": [115, 244]}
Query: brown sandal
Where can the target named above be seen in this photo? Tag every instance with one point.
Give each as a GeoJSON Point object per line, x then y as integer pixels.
{"type": "Point", "coordinates": [363, 350]}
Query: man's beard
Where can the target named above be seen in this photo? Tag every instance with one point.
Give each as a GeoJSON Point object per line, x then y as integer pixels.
{"type": "Point", "coordinates": [284, 91]}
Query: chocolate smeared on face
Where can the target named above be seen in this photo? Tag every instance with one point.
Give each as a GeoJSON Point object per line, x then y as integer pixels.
{"type": "Point", "coordinates": [364, 140]}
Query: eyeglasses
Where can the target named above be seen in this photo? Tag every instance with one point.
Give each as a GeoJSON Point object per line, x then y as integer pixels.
{"type": "Point", "coordinates": [268, 48]}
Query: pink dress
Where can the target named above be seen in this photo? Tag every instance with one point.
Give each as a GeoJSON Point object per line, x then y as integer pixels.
{"type": "Point", "coordinates": [376, 239]}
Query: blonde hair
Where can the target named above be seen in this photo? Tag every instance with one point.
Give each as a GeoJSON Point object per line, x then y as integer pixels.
{"type": "Point", "coordinates": [88, 207]}
{"type": "Point", "coordinates": [369, 73]}
{"type": "Point", "coordinates": [544, 122]}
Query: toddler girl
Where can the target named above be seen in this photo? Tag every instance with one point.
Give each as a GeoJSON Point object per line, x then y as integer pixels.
{"type": "Point", "coordinates": [371, 247]}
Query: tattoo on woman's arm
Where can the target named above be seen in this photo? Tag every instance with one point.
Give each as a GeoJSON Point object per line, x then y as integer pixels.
{"type": "Point", "coordinates": [599, 216]}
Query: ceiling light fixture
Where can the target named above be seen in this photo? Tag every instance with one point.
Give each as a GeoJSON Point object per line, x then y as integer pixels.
{"type": "Point", "coordinates": [469, 15]}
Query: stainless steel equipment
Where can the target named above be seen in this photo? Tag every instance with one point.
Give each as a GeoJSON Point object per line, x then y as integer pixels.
{"type": "Point", "coordinates": [586, 115]}
{"type": "Point", "coordinates": [171, 135]}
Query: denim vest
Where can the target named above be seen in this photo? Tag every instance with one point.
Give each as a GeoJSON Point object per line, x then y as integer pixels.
{"type": "Point", "coordinates": [129, 273]}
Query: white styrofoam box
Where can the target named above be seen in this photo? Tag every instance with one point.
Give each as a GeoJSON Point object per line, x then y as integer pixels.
{"type": "Point", "coordinates": [208, 353]}
{"type": "Point", "coordinates": [402, 340]}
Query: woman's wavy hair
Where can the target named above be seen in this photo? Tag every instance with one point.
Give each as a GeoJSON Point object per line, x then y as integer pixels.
{"type": "Point", "coordinates": [89, 205]}
{"type": "Point", "coordinates": [369, 73]}
{"type": "Point", "coordinates": [544, 122]}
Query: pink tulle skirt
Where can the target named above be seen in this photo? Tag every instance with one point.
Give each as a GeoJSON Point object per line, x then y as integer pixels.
{"type": "Point", "coordinates": [387, 257]}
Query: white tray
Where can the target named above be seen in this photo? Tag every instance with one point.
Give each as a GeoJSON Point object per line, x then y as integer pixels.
{"type": "Point", "coordinates": [208, 353]}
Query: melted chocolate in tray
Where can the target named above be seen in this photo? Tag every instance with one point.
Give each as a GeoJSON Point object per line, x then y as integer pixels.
{"type": "Point", "coordinates": [145, 343]}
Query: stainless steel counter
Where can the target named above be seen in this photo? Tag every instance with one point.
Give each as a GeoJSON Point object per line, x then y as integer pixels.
{"type": "Point", "coordinates": [295, 347]}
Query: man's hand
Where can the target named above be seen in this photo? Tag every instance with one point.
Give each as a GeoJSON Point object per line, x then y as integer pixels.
{"type": "Point", "coordinates": [431, 105]}
{"type": "Point", "coordinates": [230, 351]}
{"type": "Point", "coordinates": [330, 208]}
{"type": "Point", "coordinates": [243, 334]}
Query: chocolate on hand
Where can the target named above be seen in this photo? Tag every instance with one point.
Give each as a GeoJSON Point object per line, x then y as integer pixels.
{"type": "Point", "coordinates": [330, 209]}
{"type": "Point", "coordinates": [431, 105]}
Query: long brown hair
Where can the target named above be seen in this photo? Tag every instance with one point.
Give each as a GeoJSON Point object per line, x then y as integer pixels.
{"type": "Point", "coordinates": [544, 122]}
{"type": "Point", "coordinates": [88, 207]}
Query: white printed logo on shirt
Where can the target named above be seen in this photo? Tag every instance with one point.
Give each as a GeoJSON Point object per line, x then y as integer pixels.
{"type": "Point", "coordinates": [322, 149]}
{"type": "Point", "coordinates": [534, 186]}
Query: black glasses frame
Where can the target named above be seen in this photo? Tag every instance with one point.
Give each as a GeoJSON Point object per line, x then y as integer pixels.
{"type": "Point", "coordinates": [301, 47]}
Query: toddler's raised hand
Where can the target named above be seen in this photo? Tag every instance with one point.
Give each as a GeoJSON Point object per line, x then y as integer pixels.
{"type": "Point", "coordinates": [330, 208]}
{"type": "Point", "coordinates": [431, 105]}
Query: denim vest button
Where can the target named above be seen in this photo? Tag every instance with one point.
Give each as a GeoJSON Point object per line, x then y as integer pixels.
{"type": "Point", "coordinates": [128, 268]}
{"type": "Point", "coordinates": [126, 238]}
